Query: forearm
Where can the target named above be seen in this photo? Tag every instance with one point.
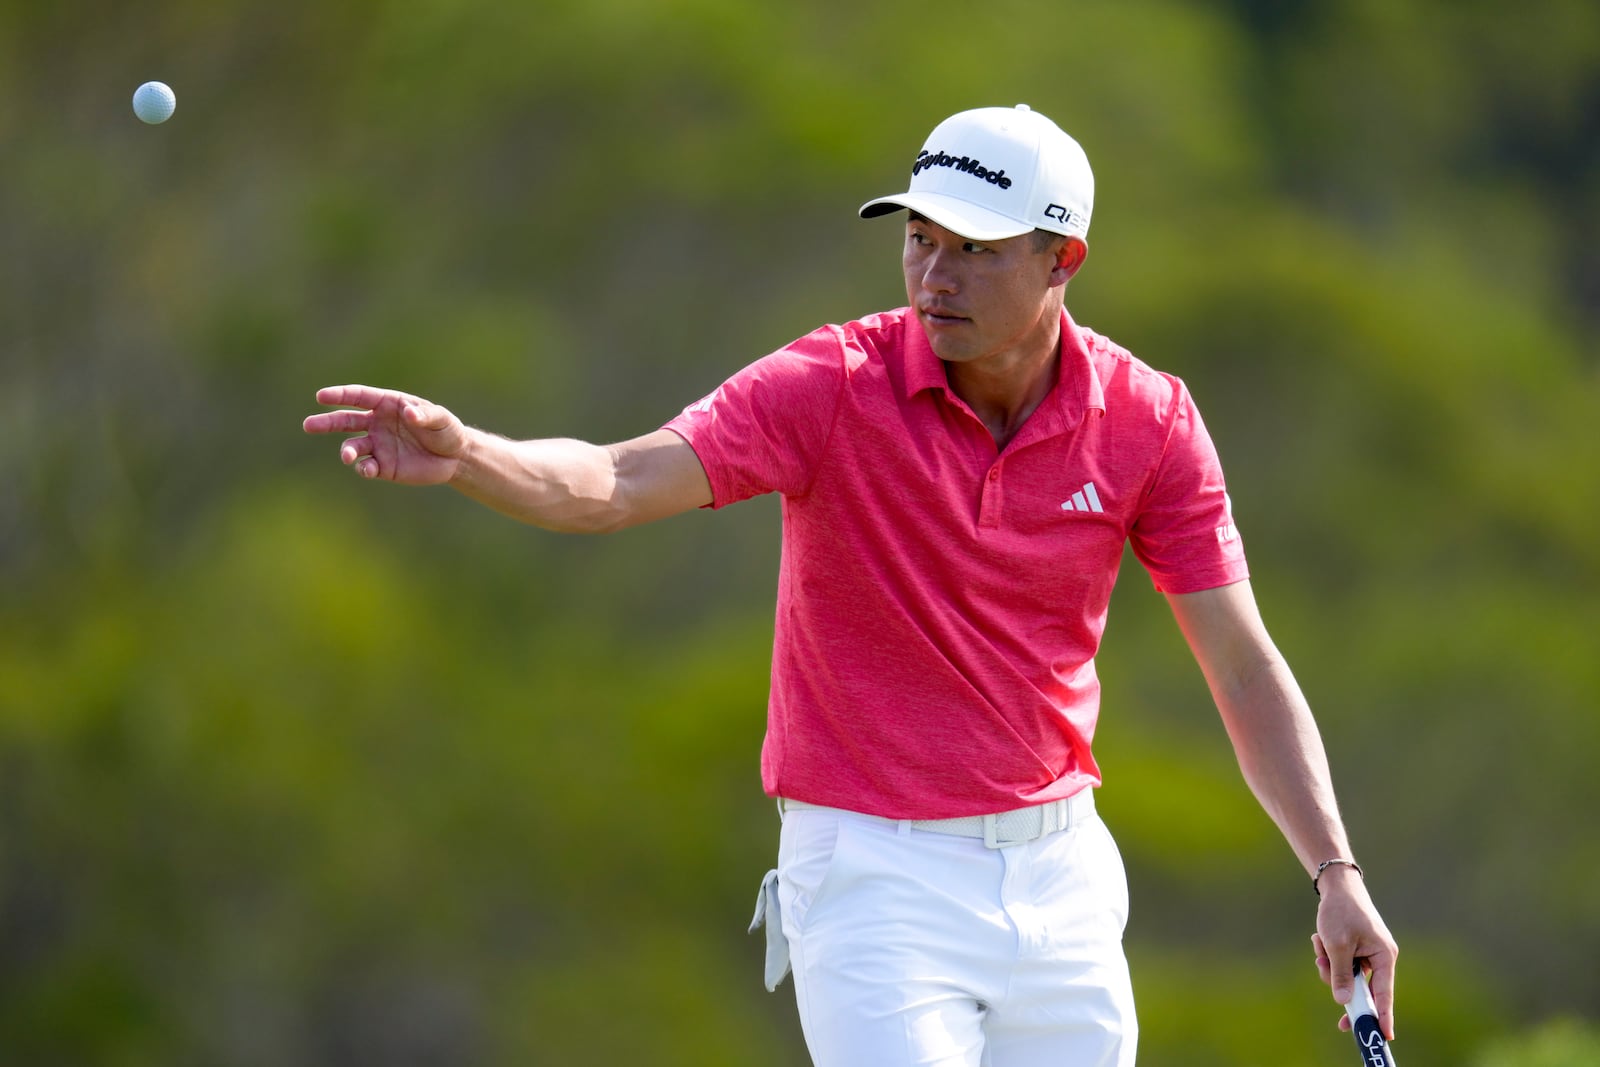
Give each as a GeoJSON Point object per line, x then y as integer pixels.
{"type": "Point", "coordinates": [1281, 755]}
{"type": "Point", "coordinates": [557, 484]}
{"type": "Point", "coordinates": [1272, 729]}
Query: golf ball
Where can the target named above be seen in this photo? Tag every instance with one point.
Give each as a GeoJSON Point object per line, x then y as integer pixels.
{"type": "Point", "coordinates": [153, 102]}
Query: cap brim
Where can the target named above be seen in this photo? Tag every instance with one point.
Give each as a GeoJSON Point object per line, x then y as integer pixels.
{"type": "Point", "coordinates": [954, 214]}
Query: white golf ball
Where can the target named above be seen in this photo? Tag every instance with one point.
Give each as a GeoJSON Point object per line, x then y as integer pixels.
{"type": "Point", "coordinates": [153, 102]}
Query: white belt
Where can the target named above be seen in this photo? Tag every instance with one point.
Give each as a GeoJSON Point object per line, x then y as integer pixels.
{"type": "Point", "coordinates": [1015, 827]}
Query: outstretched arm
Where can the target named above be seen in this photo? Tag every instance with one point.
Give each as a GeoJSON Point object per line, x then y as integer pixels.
{"type": "Point", "coordinates": [1281, 755]}
{"type": "Point", "coordinates": [558, 484]}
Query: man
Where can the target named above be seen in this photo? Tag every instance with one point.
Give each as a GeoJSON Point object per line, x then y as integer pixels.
{"type": "Point", "coordinates": [959, 478]}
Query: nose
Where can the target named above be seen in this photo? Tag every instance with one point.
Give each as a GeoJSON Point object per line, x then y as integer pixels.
{"type": "Point", "coordinates": [938, 275]}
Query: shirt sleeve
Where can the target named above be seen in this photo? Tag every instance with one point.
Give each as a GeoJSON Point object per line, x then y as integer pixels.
{"type": "Point", "coordinates": [1185, 535]}
{"type": "Point", "coordinates": [764, 429]}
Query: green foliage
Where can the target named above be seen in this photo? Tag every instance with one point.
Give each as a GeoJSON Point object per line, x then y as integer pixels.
{"type": "Point", "coordinates": [1232, 1007]}
{"type": "Point", "coordinates": [295, 769]}
{"type": "Point", "coordinates": [1560, 1043]}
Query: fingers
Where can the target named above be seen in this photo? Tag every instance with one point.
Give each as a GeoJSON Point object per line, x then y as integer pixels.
{"type": "Point", "coordinates": [359, 396]}
{"type": "Point", "coordinates": [1381, 981]}
{"type": "Point", "coordinates": [349, 396]}
{"type": "Point", "coordinates": [358, 454]}
{"type": "Point", "coordinates": [422, 415]}
{"type": "Point", "coordinates": [338, 422]}
{"type": "Point", "coordinates": [1379, 966]}
{"type": "Point", "coordinates": [414, 411]}
{"type": "Point", "coordinates": [396, 436]}
{"type": "Point", "coordinates": [1336, 966]}
{"type": "Point", "coordinates": [1323, 972]}
{"type": "Point", "coordinates": [354, 450]}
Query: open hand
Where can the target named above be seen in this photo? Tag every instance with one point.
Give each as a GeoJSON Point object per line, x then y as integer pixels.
{"type": "Point", "coordinates": [403, 438]}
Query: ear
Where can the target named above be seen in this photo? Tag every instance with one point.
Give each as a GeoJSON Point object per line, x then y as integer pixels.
{"type": "Point", "coordinates": [1069, 258]}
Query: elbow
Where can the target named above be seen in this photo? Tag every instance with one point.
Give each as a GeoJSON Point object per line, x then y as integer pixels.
{"type": "Point", "coordinates": [605, 521]}
{"type": "Point", "coordinates": [1242, 676]}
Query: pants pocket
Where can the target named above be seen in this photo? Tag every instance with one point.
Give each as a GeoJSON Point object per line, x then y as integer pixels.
{"type": "Point", "coordinates": [1111, 876]}
{"type": "Point", "coordinates": [808, 848]}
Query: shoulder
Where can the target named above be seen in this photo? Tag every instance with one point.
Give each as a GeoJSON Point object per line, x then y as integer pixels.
{"type": "Point", "coordinates": [871, 338]}
{"type": "Point", "coordinates": [1130, 385]}
{"type": "Point", "coordinates": [876, 338]}
{"type": "Point", "coordinates": [868, 357]}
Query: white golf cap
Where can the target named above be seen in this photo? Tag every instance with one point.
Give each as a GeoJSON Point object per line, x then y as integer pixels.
{"type": "Point", "coordinates": [998, 172]}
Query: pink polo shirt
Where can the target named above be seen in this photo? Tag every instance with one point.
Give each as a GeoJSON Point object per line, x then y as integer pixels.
{"type": "Point", "coordinates": [940, 602]}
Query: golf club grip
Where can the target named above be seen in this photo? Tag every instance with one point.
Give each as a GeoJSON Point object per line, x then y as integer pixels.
{"type": "Point", "coordinates": [1363, 1015]}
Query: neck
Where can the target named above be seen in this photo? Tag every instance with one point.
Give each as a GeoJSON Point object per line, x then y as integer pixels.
{"type": "Point", "coordinates": [1004, 390]}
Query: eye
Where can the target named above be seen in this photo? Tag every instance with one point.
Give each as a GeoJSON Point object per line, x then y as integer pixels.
{"type": "Point", "coordinates": [973, 246]}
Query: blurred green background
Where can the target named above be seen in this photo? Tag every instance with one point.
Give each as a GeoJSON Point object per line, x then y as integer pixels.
{"type": "Point", "coordinates": [296, 769]}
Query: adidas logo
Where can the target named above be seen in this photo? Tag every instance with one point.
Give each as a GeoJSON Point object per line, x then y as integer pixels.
{"type": "Point", "coordinates": [1085, 499]}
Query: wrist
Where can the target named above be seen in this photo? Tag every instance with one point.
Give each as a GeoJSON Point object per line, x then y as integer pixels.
{"type": "Point", "coordinates": [464, 474]}
{"type": "Point", "coordinates": [1336, 871]}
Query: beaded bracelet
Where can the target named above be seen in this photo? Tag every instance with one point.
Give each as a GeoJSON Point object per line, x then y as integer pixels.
{"type": "Point", "coordinates": [1325, 864]}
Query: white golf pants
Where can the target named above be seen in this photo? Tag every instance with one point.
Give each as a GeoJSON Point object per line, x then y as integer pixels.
{"type": "Point", "coordinates": [916, 948]}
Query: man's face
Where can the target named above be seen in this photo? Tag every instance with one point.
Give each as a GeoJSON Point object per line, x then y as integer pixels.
{"type": "Point", "coordinates": [981, 299]}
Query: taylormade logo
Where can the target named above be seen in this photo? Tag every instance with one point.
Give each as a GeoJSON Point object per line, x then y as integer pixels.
{"type": "Point", "coordinates": [964, 164]}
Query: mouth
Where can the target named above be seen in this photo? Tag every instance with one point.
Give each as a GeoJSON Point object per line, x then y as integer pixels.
{"type": "Point", "coordinates": [935, 315]}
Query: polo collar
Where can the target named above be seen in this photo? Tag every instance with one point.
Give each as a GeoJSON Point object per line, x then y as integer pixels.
{"type": "Point", "coordinates": [1077, 390]}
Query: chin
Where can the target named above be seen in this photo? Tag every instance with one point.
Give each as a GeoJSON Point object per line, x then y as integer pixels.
{"type": "Point", "coordinates": [951, 354]}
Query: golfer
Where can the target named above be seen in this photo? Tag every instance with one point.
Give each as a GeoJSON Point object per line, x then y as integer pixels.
{"type": "Point", "coordinates": [959, 478]}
